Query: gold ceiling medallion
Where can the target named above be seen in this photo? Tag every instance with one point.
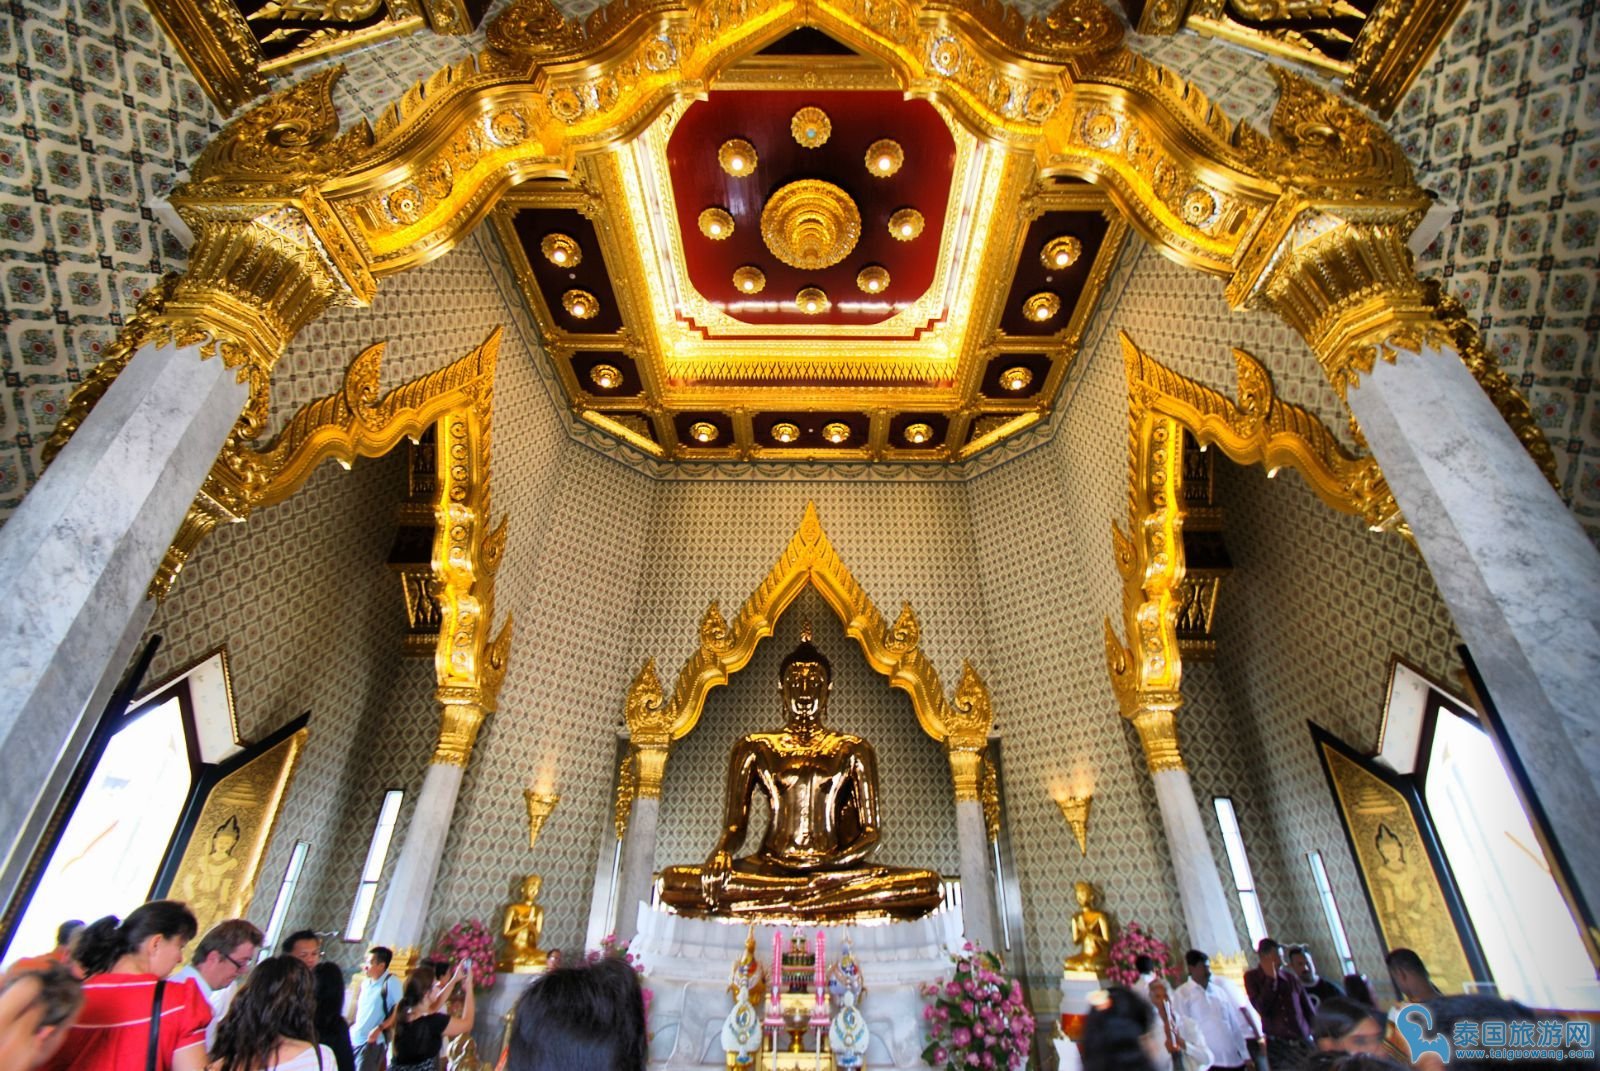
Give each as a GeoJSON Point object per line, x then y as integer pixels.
{"type": "Point", "coordinates": [716, 224]}
{"type": "Point", "coordinates": [749, 279]}
{"type": "Point", "coordinates": [917, 434]}
{"type": "Point", "coordinates": [1062, 252]}
{"type": "Point", "coordinates": [906, 224]}
{"type": "Point", "coordinates": [737, 157]}
{"type": "Point", "coordinates": [1042, 306]}
{"type": "Point", "coordinates": [605, 376]}
{"type": "Point", "coordinates": [580, 304]}
{"type": "Point", "coordinates": [811, 127]}
{"type": "Point", "coordinates": [561, 250]}
{"type": "Point", "coordinates": [885, 157]}
{"type": "Point", "coordinates": [836, 432]}
{"type": "Point", "coordinates": [1016, 378]}
{"type": "Point", "coordinates": [893, 649]}
{"type": "Point", "coordinates": [810, 224]}
{"type": "Point", "coordinates": [703, 432]}
{"type": "Point", "coordinates": [785, 432]}
{"type": "Point", "coordinates": [873, 279]}
{"type": "Point", "coordinates": [812, 301]}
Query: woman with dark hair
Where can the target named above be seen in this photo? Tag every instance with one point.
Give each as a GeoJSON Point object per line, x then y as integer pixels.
{"type": "Point", "coordinates": [269, 1024]}
{"type": "Point", "coordinates": [1117, 1035]}
{"type": "Point", "coordinates": [589, 1016]}
{"type": "Point", "coordinates": [420, 1028]}
{"type": "Point", "coordinates": [129, 1010]}
{"type": "Point", "coordinates": [327, 980]}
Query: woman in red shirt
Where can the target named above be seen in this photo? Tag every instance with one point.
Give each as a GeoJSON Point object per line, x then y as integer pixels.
{"type": "Point", "coordinates": [126, 998]}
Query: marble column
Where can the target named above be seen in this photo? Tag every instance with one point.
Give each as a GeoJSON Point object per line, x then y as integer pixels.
{"type": "Point", "coordinates": [1200, 889]}
{"type": "Point", "coordinates": [1519, 575]}
{"type": "Point", "coordinates": [405, 903]}
{"type": "Point", "coordinates": [638, 864]}
{"type": "Point", "coordinates": [76, 559]}
{"type": "Point", "coordinates": [977, 884]}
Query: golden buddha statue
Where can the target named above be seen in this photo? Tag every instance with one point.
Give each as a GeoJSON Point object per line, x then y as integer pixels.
{"type": "Point", "coordinates": [521, 928]}
{"type": "Point", "coordinates": [1091, 931]}
{"type": "Point", "coordinates": [822, 789]}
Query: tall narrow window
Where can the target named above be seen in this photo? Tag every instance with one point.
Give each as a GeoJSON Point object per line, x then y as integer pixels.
{"type": "Point", "coordinates": [280, 905]}
{"type": "Point", "coordinates": [1244, 883]}
{"type": "Point", "coordinates": [1330, 911]}
{"type": "Point", "coordinates": [377, 852]}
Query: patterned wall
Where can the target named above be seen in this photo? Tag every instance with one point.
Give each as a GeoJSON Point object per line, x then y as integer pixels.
{"type": "Point", "coordinates": [1505, 124]}
{"type": "Point", "coordinates": [97, 113]}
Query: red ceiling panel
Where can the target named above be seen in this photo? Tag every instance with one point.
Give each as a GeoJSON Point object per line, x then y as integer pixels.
{"type": "Point", "coordinates": [858, 119]}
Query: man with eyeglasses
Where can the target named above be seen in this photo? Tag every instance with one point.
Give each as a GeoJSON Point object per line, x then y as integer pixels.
{"type": "Point", "coordinates": [223, 955]}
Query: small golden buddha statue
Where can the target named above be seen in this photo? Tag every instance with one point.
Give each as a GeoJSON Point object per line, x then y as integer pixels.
{"type": "Point", "coordinates": [523, 924]}
{"type": "Point", "coordinates": [1091, 931]}
{"type": "Point", "coordinates": [822, 789]}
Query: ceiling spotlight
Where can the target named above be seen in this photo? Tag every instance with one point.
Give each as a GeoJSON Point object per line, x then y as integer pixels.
{"type": "Point", "coordinates": [874, 279]}
{"type": "Point", "coordinates": [836, 432]}
{"type": "Point", "coordinates": [703, 431]}
{"type": "Point", "coordinates": [812, 301]}
{"type": "Point", "coordinates": [1061, 252]}
{"type": "Point", "coordinates": [811, 127]}
{"type": "Point", "coordinates": [605, 376]}
{"type": "Point", "coordinates": [1016, 378]}
{"type": "Point", "coordinates": [917, 434]}
{"type": "Point", "coordinates": [785, 432]}
{"type": "Point", "coordinates": [580, 304]}
{"type": "Point", "coordinates": [561, 250]}
{"type": "Point", "coordinates": [716, 224]}
{"type": "Point", "coordinates": [1041, 306]}
{"type": "Point", "coordinates": [905, 224]}
{"type": "Point", "coordinates": [884, 157]}
{"type": "Point", "coordinates": [737, 157]}
{"type": "Point", "coordinates": [749, 279]}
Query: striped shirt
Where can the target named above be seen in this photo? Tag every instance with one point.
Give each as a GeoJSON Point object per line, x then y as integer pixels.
{"type": "Point", "coordinates": [113, 1031]}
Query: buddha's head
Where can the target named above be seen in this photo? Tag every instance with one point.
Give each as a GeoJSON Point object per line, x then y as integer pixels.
{"type": "Point", "coordinates": [531, 886]}
{"type": "Point", "coordinates": [805, 679]}
{"type": "Point", "coordinates": [1086, 894]}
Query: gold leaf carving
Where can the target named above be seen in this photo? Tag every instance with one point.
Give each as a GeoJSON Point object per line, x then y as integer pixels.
{"type": "Point", "coordinates": [292, 134]}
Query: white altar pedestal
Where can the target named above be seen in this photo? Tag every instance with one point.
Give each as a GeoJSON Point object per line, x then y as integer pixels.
{"type": "Point", "coordinates": [1076, 988]}
{"type": "Point", "coordinates": [687, 961]}
{"type": "Point", "coordinates": [489, 1028]}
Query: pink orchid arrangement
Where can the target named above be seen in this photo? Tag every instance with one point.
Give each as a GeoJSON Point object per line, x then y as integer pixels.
{"type": "Point", "coordinates": [613, 946]}
{"type": "Point", "coordinates": [468, 940]}
{"type": "Point", "coordinates": [978, 1019]}
{"type": "Point", "coordinates": [1135, 941]}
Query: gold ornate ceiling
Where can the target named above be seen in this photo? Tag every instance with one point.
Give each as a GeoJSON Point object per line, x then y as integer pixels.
{"type": "Point", "coordinates": [810, 263]}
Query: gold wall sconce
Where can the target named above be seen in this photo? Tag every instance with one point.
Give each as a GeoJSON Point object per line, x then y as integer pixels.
{"type": "Point", "coordinates": [1075, 809]}
{"type": "Point", "coordinates": [540, 804]}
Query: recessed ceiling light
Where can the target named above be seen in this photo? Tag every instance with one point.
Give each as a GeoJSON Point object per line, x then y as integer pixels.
{"type": "Point", "coordinates": [702, 431]}
{"type": "Point", "coordinates": [561, 250]}
{"type": "Point", "coordinates": [716, 224]}
{"type": "Point", "coordinates": [812, 301]}
{"type": "Point", "coordinates": [737, 157]}
{"type": "Point", "coordinates": [884, 157]}
{"type": "Point", "coordinates": [580, 304]}
{"type": "Point", "coordinates": [874, 279]}
{"type": "Point", "coordinates": [1061, 252]}
{"type": "Point", "coordinates": [785, 432]}
{"type": "Point", "coordinates": [1041, 306]}
{"type": "Point", "coordinates": [1016, 377]}
{"type": "Point", "coordinates": [917, 434]}
{"type": "Point", "coordinates": [836, 432]}
{"type": "Point", "coordinates": [905, 224]}
{"type": "Point", "coordinates": [749, 279]}
{"type": "Point", "coordinates": [605, 376]}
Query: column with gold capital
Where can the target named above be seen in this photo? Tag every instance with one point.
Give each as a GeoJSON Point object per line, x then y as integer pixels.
{"type": "Point", "coordinates": [1200, 891]}
{"type": "Point", "coordinates": [649, 745]}
{"type": "Point", "coordinates": [967, 724]}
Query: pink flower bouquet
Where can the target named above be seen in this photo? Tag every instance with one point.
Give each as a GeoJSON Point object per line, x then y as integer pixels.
{"type": "Point", "coordinates": [1135, 941]}
{"type": "Point", "coordinates": [469, 940]}
{"type": "Point", "coordinates": [978, 1019]}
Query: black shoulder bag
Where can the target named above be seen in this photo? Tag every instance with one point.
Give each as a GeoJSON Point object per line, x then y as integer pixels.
{"type": "Point", "coordinates": [152, 1056]}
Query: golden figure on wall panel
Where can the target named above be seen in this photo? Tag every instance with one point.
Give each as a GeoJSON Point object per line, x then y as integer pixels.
{"type": "Point", "coordinates": [216, 876]}
{"type": "Point", "coordinates": [1411, 908]}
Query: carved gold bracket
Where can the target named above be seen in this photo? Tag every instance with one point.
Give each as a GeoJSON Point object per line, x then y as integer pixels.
{"type": "Point", "coordinates": [1259, 429]}
{"type": "Point", "coordinates": [961, 724]}
{"type": "Point", "coordinates": [359, 421]}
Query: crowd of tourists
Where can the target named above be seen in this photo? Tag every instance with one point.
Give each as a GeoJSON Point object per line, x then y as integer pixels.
{"type": "Point", "coordinates": [116, 995]}
{"type": "Point", "coordinates": [1290, 1018]}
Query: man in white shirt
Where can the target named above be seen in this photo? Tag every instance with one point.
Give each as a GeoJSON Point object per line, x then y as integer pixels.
{"type": "Point", "coordinates": [380, 993]}
{"type": "Point", "coordinates": [1217, 1013]}
{"type": "Point", "coordinates": [223, 955]}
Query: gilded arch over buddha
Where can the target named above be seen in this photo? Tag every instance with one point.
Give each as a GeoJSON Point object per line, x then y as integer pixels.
{"type": "Point", "coordinates": [959, 723]}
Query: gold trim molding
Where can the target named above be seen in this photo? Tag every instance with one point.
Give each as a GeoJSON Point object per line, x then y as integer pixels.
{"type": "Point", "coordinates": [1260, 429]}
{"type": "Point", "coordinates": [655, 720]}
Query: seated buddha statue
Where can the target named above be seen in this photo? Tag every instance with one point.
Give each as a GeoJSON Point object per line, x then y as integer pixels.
{"type": "Point", "coordinates": [822, 789]}
{"type": "Point", "coordinates": [1091, 931]}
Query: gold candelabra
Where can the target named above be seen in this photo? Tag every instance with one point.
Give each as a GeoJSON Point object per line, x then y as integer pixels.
{"type": "Point", "coordinates": [1075, 809]}
{"type": "Point", "coordinates": [540, 804]}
